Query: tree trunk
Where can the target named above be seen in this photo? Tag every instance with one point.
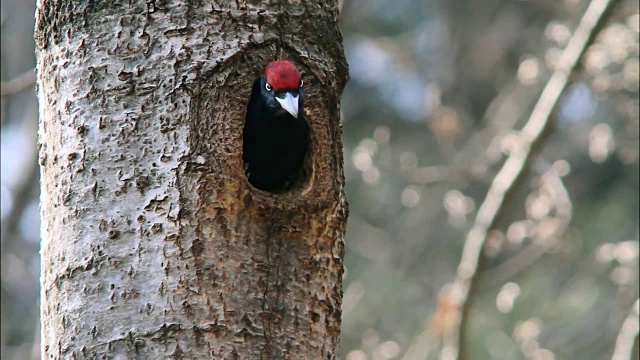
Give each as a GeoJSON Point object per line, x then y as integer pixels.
{"type": "Point", "coordinates": [154, 245]}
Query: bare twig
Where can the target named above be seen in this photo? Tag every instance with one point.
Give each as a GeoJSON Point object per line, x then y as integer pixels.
{"type": "Point", "coordinates": [23, 195]}
{"type": "Point", "coordinates": [552, 182]}
{"type": "Point", "coordinates": [24, 190]}
{"type": "Point", "coordinates": [421, 346]}
{"type": "Point", "coordinates": [18, 84]}
{"type": "Point", "coordinates": [627, 335]}
{"type": "Point", "coordinates": [505, 180]}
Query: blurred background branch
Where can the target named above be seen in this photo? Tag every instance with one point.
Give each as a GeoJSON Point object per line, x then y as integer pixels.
{"type": "Point", "coordinates": [552, 184]}
{"type": "Point", "coordinates": [522, 147]}
{"type": "Point", "coordinates": [627, 340]}
{"type": "Point", "coordinates": [18, 84]}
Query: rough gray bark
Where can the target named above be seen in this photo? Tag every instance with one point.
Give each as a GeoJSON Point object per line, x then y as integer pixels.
{"type": "Point", "coordinates": [154, 245]}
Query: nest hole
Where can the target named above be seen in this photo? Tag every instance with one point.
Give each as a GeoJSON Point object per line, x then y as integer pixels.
{"type": "Point", "coordinates": [299, 181]}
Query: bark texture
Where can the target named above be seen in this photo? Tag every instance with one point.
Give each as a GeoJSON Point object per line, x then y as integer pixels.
{"type": "Point", "coordinates": [154, 245]}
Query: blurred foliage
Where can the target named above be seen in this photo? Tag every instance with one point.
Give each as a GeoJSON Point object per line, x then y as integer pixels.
{"type": "Point", "coordinates": [437, 90]}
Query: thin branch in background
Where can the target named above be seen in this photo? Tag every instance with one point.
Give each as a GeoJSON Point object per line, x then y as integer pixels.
{"type": "Point", "coordinates": [421, 346]}
{"type": "Point", "coordinates": [552, 182]}
{"type": "Point", "coordinates": [18, 84]}
{"type": "Point", "coordinates": [23, 195]}
{"type": "Point", "coordinates": [527, 140]}
{"type": "Point", "coordinates": [628, 335]}
{"type": "Point", "coordinates": [26, 185]}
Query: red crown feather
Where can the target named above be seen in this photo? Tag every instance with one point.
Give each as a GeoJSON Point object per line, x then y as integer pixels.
{"type": "Point", "coordinates": [282, 74]}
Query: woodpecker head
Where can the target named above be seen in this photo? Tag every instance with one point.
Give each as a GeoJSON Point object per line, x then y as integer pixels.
{"type": "Point", "coordinates": [282, 88]}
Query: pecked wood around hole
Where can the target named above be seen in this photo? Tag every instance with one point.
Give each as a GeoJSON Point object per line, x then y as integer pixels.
{"type": "Point", "coordinates": [216, 136]}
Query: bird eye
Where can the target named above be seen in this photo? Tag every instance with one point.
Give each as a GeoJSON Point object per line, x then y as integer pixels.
{"type": "Point", "coordinates": [268, 87]}
{"type": "Point", "coordinates": [301, 82]}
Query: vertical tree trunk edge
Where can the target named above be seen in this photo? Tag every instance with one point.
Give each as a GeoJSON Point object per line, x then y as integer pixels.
{"type": "Point", "coordinates": [154, 244]}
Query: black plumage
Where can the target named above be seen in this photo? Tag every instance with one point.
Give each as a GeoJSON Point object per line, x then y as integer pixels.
{"type": "Point", "coordinates": [275, 142]}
